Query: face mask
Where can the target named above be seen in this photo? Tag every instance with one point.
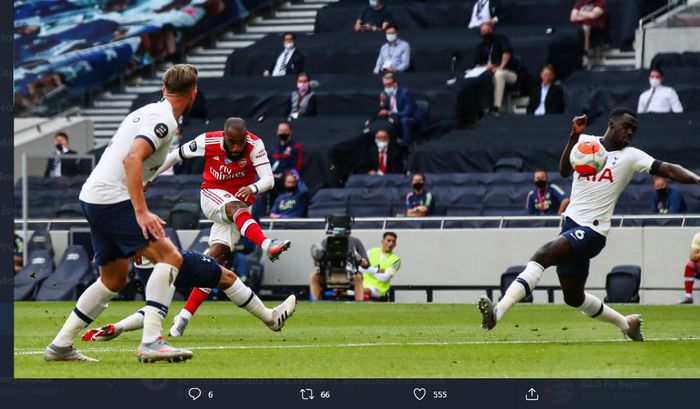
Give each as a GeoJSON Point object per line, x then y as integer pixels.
{"type": "Point", "coordinates": [417, 186]}
{"type": "Point", "coordinates": [654, 82]}
{"type": "Point", "coordinates": [390, 91]}
{"type": "Point", "coordinates": [59, 147]}
{"type": "Point", "coordinates": [661, 192]}
{"type": "Point", "coordinates": [288, 46]}
{"type": "Point", "coordinates": [541, 183]}
{"type": "Point", "coordinates": [373, 3]}
{"type": "Point", "coordinates": [284, 137]}
{"type": "Point", "coordinates": [303, 87]}
{"type": "Point", "coordinates": [291, 189]}
{"type": "Point", "coordinates": [382, 144]}
{"type": "Point", "coordinates": [391, 38]}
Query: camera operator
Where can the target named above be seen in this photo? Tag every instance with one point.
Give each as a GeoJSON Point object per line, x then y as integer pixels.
{"type": "Point", "coordinates": [343, 257]}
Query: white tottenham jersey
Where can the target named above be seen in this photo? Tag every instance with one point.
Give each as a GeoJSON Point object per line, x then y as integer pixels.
{"type": "Point", "coordinates": [593, 198]}
{"type": "Point", "coordinates": [156, 124]}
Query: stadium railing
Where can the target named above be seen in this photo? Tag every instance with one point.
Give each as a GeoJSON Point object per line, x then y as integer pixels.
{"type": "Point", "coordinates": [501, 222]}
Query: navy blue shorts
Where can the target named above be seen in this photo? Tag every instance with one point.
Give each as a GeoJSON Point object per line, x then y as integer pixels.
{"type": "Point", "coordinates": [585, 243]}
{"type": "Point", "coordinates": [114, 230]}
{"type": "Point", "coordinates": [197, 270]}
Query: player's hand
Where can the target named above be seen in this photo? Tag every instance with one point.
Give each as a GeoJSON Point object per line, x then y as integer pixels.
{"type": "Point", "coordinates": [151, 224]}
{"type": "Point", "coordinates": [244, 193]}
{"type": "Point", "coordinates": [579, 124]}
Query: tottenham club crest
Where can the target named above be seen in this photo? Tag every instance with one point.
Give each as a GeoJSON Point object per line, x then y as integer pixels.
{"type": "Point", "coordinates": [161, 130]}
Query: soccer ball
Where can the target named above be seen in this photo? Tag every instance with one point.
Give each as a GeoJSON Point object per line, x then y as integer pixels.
{"type": "Point", "coordinates": [588, 157]}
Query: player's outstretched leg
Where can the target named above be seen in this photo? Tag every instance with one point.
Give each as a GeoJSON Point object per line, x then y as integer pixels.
{"type": "Point", "coordinates": [110, 331]}
{"type": "Point", "coordinates": [689, 276]}
{"type": "Point", "coordinates": [90, 304]}
{"type": "Point", "coordinates": [250, 229]}
{"type": "Point", "coordinates": [592, 306]}
{"type": "Point", "coordinates": [180, 321]}
{"type": "Point", "coordinates": [244, 297]}
{"type": "Point", "coordinates": [159, 294]}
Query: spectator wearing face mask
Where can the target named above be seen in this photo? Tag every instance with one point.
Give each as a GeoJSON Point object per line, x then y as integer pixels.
{"type": "Point", "coordinates": [285, 157]}
{"type": "Point", "coordinates": [419, 202]}
{"type": "Point", "coordinates": [547, 199]}
{"type": "Point", "coordinates": [397, 103]}
{"type": "Point", "coordinates": [382, 156]}
{"type": "Point", "coordinates": [57, 166]}
{"type": "Point", "coordinates": [667, 199]}
{"type": "Point", "coordinates": [395, 54]}
{"type": "Point", "coordinates": [659, 98]}
{"type": "Point", "coordinates": [289, 62]}
{"type": "Point", "coordinates": [292, 202]}
{"type": "Point", "coordinates": [373, 17]}
{"type": "Point", "coordinates": [303, 100]}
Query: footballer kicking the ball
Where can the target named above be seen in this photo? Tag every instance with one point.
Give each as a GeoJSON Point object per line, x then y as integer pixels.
{"type": "Point", "coordinates": [587, 222]}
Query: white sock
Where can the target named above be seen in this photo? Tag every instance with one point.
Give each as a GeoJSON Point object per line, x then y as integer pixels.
{"type": "Point", "coordinates": [244, 297]}
{"type": "Point", "coordinates": [516, 291]}
{"type": "Point", "coordinates": [159, 294]}
{"type": "Point", "coordinates": [185, 314]}
{"type": "Point", "coordinates": [266, 244]}
{"type": "Point", "coordinates": [132, 322]}
{"type": "Point", "coordinates": [90, 304]}
{"type": "Point", "coordinates": [594, 308]}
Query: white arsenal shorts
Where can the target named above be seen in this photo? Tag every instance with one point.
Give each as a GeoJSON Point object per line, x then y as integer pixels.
{"type": "Point", "coordinates": [213, 202]}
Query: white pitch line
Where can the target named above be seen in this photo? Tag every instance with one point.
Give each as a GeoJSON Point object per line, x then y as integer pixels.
{"type": "Point", "coordinates": [22, 352]}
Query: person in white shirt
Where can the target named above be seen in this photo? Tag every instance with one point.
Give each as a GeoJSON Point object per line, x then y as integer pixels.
{"type": "Point", "coordinates": [659, 98]}
{"type": "Point", "coordinates": [122, 226]}
{"type": "Point", "coordinates": [587, 223]}
{"type": "Point", "coordinates": [485, 11]}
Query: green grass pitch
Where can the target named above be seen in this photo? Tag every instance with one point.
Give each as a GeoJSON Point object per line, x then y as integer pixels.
{"type": "Point", "coordinates": [347, 340]}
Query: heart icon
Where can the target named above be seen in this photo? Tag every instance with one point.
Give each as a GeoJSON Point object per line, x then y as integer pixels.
{"type": "Point", "coordinates": [419, 393]}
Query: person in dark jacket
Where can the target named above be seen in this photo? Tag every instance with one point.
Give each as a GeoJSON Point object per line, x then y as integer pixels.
{"type": "Point", "coordinates": [289, 62]}
{"type": "Point", "coordinates": [398, 103]}
{"type": "Point", "coordinates": [548, 97]}
{"type": "Point", "coordinates": [56, 166]}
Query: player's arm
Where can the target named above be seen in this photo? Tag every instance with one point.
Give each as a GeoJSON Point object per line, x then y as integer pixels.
{"type": "Point", "coordinates": [266, 180]}
{"type": "Point", "coordinates": [196, 148]}
{"type": "Point", "coordinates": [579, 125]}
{"type": "Point", "coordinates": [674, 172]}
{"type": "Point", "coordinates": [150, 223]}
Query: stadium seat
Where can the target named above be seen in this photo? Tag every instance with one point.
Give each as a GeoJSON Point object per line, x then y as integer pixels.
{"type": "Point", "coordinates": [40, 240]}
{"type": "Point", "coordinates": [508, 277]}
{"type": "Point", "coordinates": [28, 281]}
{"type": "Point", "coordinates": [369, 202]}
{"type": "Point", "coordinates": [184, 216]}
{"type": "Point", "coordinates": [329, 201]}
{"type": "Point", "coordinates": [73, 274]}
{"type": "Point", "coordinates": [622, 284]}
{"type": "Point", "coordinates": [70, 211]}
{"type": "Point", "coordinates": [508, 165]}
{"type": "Point", "coordinates": [201, 241]}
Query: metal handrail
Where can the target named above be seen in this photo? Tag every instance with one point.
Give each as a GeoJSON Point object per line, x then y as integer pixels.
{"type": "Point", "coordinates": [672, 4]}
{"type": "Point", "coordinates": [616, 220]}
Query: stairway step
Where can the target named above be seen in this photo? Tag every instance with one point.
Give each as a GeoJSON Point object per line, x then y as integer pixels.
{"type": "Point", "coordinates": [106, 118]}
{"type": "Point", "coordinates": [270, 29]}
{"type": "Point", "coordinates": [142, 90]}
{"type": "Point", "coordinates": [296, 14]}
{"type": "Point", "coordinates": [212, 73]}
{"type": "Point", "coordinates": [280, 21]}
{"type": "Point", "coordinates": [105, 111]}
{"type": "Point", "coordinates": [241, 36]}
{"type": "Point", "coordinates": [106, 125]}
{"type": "Point", "coordinates": [206, 59]}
{"type": "Point", "coordinates": [303, 6]}
{"type": "Point", "coordinates": [107, 103]}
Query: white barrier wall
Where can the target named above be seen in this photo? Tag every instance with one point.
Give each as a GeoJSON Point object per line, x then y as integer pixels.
{"type": "Point", "coordinates": [479, 256]}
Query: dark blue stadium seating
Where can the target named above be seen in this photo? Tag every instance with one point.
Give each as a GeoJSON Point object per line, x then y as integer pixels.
{"type": "Point", "coordinates": [73, 274]}
{"type": "Point", "coordinates": [28, 281]}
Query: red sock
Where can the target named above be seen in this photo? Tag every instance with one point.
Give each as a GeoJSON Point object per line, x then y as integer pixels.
{"type": "Point", "coordinates": [248, 227]}
{"type": "Point", "coordinates": [689, 277]}
{"type": "Point", "coordinates": [197, 297]}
